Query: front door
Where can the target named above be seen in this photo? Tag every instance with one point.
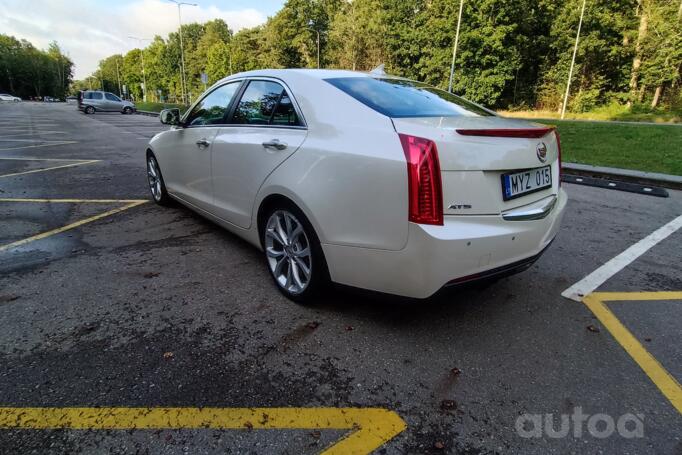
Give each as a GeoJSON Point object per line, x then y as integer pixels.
{"type": "Point", "coordinates": [112, 102]}
{"type": "Point", "coordinates": [188, 173]}
{"type": "Point", "coordinates": [263, 131]}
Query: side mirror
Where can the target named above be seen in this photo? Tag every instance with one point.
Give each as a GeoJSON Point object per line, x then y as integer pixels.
{"type": "Point", "coordinates": [170, 116]}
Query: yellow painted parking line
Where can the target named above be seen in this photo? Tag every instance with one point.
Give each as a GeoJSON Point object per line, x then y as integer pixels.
{"type": "Point", "coordinates": [68, 227]}
{"type": "Point", "coordinates": [665, 382]}
{"type": "Point", "coordinates": [51, 168]}
{"type": "Point", "coordinates": [370, 427]}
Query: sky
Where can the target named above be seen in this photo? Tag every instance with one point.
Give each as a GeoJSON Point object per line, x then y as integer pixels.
{"type": "Point", "coordinates": [90, 30]}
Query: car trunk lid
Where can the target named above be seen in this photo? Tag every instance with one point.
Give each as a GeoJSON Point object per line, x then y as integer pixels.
{"type": "Point", "coordinates": [475, 153]}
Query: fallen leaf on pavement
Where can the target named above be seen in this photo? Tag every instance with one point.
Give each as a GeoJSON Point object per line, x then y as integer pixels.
{"type": "Point", "coordinates": [592, 328]}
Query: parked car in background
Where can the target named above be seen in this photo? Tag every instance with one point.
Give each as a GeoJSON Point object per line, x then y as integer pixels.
{"type": "Point", "coordinates": [362, 179]}
{"type": "Point", "coordinates": [9, 98]}
{"type": "Point", "coordinates": [91, 101]}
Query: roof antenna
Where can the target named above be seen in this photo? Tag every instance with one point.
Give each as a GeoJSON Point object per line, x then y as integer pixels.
{"type": "Point", "coordinates": [379, 70]}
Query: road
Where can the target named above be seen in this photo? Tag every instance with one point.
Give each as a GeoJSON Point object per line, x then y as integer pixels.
{"type": "Point", "coordinates": [151, 307]}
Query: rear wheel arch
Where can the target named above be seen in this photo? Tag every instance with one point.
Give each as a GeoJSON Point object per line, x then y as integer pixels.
{"type": "Point", "coordinates": [276, 200]}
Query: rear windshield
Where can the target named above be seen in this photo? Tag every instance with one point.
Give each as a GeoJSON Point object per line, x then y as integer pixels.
{"type": "Point", "coordinates": [403, 98]}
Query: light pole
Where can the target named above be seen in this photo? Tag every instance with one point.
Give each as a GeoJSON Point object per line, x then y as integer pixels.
{"type": "Point", "coordinates": [183, 82]}
{"type": "Point", "coordinates": [575, 51]}
{"type": "Point", "coordinates": [454, 47]}
{"type": "Point", "coordinates": [311, 25]}
{"type": "Point", "coordinates": [118, 76]}
{"type": "Point", "coordinates": [144, 78]}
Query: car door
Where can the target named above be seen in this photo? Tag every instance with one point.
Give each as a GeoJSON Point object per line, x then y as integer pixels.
{"type": "Point", "coordinates": [112, 102]}
{"type": "Point", "coordinates": [265, 128]}
{"type": "Point", "coordinates": [186, 165]}
{"type": "Point", "coordinates": [97, 100]}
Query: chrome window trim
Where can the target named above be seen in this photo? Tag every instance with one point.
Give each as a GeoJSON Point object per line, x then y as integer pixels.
{"type": "Point", "coordinates": [240, 92]}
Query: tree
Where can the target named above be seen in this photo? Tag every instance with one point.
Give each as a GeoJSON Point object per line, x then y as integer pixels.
{"type": "Point", "coordinates": [27, 71]}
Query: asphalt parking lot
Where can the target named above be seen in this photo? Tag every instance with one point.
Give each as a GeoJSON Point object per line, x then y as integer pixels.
{"type": "Point", "coordinates": [123, 308]}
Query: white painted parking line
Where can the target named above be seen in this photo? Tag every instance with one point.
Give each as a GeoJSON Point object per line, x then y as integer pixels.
{"type": "Point", "coordinates": [595, 279]}
{"type": "Point", "coordinates": [48, 144]}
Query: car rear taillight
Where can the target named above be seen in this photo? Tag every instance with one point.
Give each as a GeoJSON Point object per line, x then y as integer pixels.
{"type": "Point", "coordinates": [423, 179]}
{"type": "Point", "coordinates": [507, 132]}
{"type": "Point", "coordinates": [558, 147]}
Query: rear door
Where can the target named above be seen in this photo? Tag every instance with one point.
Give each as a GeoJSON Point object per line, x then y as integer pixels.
{"type": "Point", "coordinates": [265, 128]}
{"type": "Point", "coordinates": [97, 100]}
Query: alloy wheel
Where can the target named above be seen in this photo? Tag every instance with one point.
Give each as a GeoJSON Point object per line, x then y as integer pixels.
{"type": "Point", "coordinates": [154, 178]}
{"type": "Point", "coordinates": [288, 251]}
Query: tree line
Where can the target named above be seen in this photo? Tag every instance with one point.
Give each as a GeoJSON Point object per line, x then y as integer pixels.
{"type": "Point", "coordinates": [511, 53]}
{"type": "Point", "coordinates": [27, 72]}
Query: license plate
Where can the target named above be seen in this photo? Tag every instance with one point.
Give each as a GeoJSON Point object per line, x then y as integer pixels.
{"type": "Point", "coordinates": [518, 184]}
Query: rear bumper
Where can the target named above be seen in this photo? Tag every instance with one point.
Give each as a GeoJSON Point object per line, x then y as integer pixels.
{"type": "Point", "coordinates": [465, 248]}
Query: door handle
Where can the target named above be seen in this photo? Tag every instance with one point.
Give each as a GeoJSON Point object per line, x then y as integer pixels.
{"type": "Point", "coordinates": [203, 143]}
{"type": "Point", "coordinates": [275, 143]}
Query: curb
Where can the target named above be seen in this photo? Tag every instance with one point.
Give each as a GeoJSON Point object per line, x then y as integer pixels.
{"type": "Point", "coordinates": [148, 113]}
{"type": "Point", "coordinates": [626, 175]}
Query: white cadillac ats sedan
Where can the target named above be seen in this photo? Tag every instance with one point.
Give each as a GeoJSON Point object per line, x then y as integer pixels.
{"type": "Point", "coordinates": [362, 179]}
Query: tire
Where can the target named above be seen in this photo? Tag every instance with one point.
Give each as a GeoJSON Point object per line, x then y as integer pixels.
{"type": "Point", "coordinates": [286, 236]}
{"type": "Point", "coordinates": [157, 186]}
{"type": "Point", "coordinates": [127, 110]}
{"type": "Point", "coordinates": [89, 110]}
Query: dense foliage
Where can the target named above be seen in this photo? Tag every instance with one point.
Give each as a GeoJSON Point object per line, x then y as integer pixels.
{"type": "Point", "coordinates": [512, 53]}
{"type": "Point", "coordinates": [29, 72]}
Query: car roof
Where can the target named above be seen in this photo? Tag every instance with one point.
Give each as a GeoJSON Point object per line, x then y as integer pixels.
{"type": "Point", "coordinates": [301, 73]}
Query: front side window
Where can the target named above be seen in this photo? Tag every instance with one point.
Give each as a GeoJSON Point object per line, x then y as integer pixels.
{"type": "Point", "coordinates": [212, 109]}
{"type": "Point", "coordinates": [403, 98]}
{"type": "Point", "coordinates": [111, 97]}
{"type": "Point", "coordinates": [265, 103]}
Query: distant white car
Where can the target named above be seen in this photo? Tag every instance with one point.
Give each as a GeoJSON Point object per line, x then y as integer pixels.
{"type": "Point", "coordinates": [367, 180]}
{"type": "Point", "coordinates": [10, 98]}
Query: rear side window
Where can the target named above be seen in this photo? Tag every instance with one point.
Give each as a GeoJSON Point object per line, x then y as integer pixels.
{"type": "Point", "coordinates": [265, 103]}
{"type": "Point", "coordinates": [401, 98]}
{"type": "Point", "coordinates": [93, 95]}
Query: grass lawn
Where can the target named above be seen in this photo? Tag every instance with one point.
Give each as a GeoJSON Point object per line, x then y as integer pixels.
{"type": "Point", "coordinates": [158, 107]}
{"type": "Point", "coordinates": [652, 148]}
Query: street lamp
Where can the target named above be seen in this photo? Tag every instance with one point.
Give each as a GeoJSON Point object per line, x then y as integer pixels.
{"type": "Point", "coordinates": [311, 24]}
{"type": "Point", "coordinates": [570, 72]}
{"type": "Point", "coordinates": [454, 47]}
{"type": "Point", "coordinates": [144, 78]}
{"type": "Point", "coordinates": [183, 82]}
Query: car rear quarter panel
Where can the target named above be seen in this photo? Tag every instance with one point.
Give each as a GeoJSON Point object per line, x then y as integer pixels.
{"type": "Point", "coordinates": [349, 176]}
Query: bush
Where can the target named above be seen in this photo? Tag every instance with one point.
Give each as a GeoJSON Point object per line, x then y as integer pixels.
{"type": "Point", "coordinates": [158, 107]}
{"type": "Point", "coordinates": [585, 100]}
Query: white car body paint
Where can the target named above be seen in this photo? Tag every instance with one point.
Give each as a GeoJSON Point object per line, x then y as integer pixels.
{"type": "Point", "coordinates": [346, 170]}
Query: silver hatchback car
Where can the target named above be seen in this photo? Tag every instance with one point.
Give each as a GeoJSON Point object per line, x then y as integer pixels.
{"type": "Point", "coordinates": [91, 101]}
